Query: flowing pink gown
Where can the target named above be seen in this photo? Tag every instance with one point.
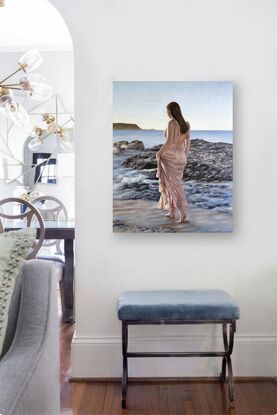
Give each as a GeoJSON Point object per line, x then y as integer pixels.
{"type": "Point", "coordinates": [171, 169]}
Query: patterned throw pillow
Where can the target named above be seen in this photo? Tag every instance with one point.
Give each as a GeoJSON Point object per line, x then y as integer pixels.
{"type": "Point", "coordinates": [14, 247]}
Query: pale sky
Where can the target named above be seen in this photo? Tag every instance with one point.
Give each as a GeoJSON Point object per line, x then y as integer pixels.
{"type": "Point", "coordinates": [206, 105]}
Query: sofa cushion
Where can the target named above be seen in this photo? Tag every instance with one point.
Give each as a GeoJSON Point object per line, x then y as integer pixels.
{"type": "Point", "coordinates": [14, 247]}
{"type": "Point", "coordinates": [177, 305]}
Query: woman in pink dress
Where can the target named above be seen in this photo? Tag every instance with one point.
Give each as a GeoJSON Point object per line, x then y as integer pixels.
{"type": "Point", "coordinates": [172, 158]}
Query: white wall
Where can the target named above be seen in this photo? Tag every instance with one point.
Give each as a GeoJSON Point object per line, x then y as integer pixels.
{"type": "Point", "coordinates": [176, 40]}
{"type": "Point", "coordinates": [58, 69]}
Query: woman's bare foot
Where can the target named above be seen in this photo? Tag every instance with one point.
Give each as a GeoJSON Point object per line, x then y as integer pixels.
{"type": "Point", "coordinates": [183, 216]}
{"type": "Point", "coordinates": [183, 220]}
{"type": "Point", "coordinates": [171, 214]}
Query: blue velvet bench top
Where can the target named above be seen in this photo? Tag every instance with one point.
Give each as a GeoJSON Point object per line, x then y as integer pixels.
{"type": "Point", "coordinates": [186, 305]}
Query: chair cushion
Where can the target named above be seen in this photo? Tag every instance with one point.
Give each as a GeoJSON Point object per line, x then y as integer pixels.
{"type": "Point", "coordinates": [51, 257]}
{"type": "Point", "coordinates": [177, 305]}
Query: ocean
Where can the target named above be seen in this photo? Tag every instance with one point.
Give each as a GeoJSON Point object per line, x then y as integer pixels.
{"type": "Point", "coordinates": [152, 138]}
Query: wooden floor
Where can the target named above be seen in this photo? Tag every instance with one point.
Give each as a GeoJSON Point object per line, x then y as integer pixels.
{"type": "Point", "coordinates": [167, 398]}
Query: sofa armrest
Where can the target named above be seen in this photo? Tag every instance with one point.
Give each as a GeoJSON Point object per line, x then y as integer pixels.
{"type": "Point", "coordinates": [29, 372]}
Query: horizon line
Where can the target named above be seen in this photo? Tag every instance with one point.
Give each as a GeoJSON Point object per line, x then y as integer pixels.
{"type": "Point", "coordinates": [156, 129]}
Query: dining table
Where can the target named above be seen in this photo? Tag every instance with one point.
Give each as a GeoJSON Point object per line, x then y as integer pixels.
{"type": "Point", "coordinates": [61, 230]}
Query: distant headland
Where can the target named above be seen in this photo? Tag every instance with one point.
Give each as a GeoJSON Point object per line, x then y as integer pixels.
{"type": "Point", "coordinates": [125, 126]}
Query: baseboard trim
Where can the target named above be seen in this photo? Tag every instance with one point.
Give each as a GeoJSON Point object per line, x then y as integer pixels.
{"type": "Point", "coordinates": [206, 379]}
{"type": "Point", "coordinates": [99, 357]}
{"type": "Point", "coordinates": [154, 339]}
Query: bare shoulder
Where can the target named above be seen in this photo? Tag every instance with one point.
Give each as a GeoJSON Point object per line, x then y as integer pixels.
{"type": "Point", "coordinates": [172, 121]}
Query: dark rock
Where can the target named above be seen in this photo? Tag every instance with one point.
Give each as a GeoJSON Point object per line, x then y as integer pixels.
{"type": "Point", "coordinates": [135, 145]}
{"type": "Point", "coordinates": [209, 162]}
{"type": "Point", "coordinates": [120, 146]}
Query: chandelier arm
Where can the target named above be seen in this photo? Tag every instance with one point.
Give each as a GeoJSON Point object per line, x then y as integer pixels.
{"type": "Point", "coordinates": [12, 87]}
{"type": "Point", "coordinates": [39, 105]}
{"type": "Point", "coordinates": [9, 85]}
{"type": "Point", "coordinates": [8, 77]}
{"type": "Point", "coordinates": [65, 110]}
{"type": "Point", "coordinates": [11, 155]}
{"type": "Point", "coordinates": [22, 174]}
{"type": "Point", "coordinates": [19, 162]}
{"type": "Point", "coordinates": [12, 124]}
{"type": "Point", "coordinates": [42, 170]}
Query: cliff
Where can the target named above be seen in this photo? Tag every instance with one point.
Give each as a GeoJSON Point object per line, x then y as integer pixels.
{"type": "Point", "coordinates": [125, 126]}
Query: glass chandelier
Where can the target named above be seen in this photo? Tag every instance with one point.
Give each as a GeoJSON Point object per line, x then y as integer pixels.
{"type": "Point", "coordinates": [31, 84]}
{"type": "Point", "coordinates": [52, 127]}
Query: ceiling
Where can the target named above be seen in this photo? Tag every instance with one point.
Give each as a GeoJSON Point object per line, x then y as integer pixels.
{"type": "Point", "coordinates": [32, 23]}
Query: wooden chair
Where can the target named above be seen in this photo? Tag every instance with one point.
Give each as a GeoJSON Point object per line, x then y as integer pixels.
{"type": "Point", "coordinates": [30, 214]}
{"type": "Point", "coordinates": [53, 214]}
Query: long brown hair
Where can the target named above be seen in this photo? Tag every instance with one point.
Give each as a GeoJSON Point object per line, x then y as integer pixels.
{"type": "Point", "coordinates": [176, 113]}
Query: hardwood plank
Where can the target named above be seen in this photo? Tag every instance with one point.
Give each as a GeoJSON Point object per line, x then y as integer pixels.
{"type": "Point", "coordinates": [93, 399]}
{"type": "Point", "coordinates": [71, 398]}
{"type": "Point", "coordinates": [176, 398]}
{"type": "Point", "coordinates": [112, 404]}
{"type": "Point", "coordinates": [163, 400]}
{"type": "Point", "coordinates": [142, 400]}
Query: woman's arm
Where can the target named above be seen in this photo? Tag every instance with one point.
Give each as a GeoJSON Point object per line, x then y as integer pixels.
{"type": "Point", "coordinates": [187, 141]}
{"type": "Point", "coordinates": [169, 139]}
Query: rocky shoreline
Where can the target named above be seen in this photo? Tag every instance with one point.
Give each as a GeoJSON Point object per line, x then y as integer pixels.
{"type": "Point", "coordinates": [207, 162]}
{"type": "Point", "coordinates": [207, 178]}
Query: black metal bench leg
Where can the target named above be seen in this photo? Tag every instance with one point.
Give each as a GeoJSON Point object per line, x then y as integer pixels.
{"type": "Point", "coordinates": [223, 371]}
{"type": "Point", "coordinates": [230, 383]}
{"type": "Point", "coordinates": [228, 346]}
{"type": "Point", "coordinates": [232, 329]}
{"type": "Point", "coordinates": [225, 342]}
{"type": "Point", "coordinates": [125, 363]}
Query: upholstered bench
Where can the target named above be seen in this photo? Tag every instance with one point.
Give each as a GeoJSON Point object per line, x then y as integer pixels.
{"type": "Point", "coordinates": [179, 307]}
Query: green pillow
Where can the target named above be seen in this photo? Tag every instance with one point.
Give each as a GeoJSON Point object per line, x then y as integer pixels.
{"type": "Point", "coordinates": [14, 247]}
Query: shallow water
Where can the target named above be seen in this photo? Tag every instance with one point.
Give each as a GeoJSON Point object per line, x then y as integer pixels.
{"type": "Point", "coordinates": [144, 216]}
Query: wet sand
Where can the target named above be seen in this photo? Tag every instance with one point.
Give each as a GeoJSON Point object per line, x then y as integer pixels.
{"type": "Point", "coordinates": [144, 216]}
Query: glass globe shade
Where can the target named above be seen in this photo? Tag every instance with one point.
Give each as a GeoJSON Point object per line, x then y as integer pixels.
{"type": "Point", "coordinates": [5, 99]}
{"type": "Point", "coordinates": [19, 191]}
{"type": "Point", "coordinates": [35, 144]}
{"type": "Point", "coordinates": [18, 114]}
{"type": "Point", "coordinates": [41, 91]}
{"type": "Point", "coordinates": [66, 144]}
{"type": "Point", "coordinates": [52, 128]}
{"type": "Point", "coordinates": [7, 105]}
{"type": "Point", "coordinates": [36, 85]}
{"type": "Point", "coordinates": [30, 61]}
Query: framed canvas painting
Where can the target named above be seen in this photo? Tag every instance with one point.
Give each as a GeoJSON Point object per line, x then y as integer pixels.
{"type": "Point", "coordinates": [172, 156]}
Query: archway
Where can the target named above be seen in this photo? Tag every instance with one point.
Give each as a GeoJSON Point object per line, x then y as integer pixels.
{"type": "Point", "coordinates": [31, 31]}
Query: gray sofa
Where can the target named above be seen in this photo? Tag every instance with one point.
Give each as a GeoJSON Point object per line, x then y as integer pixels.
{"type": "Point", "coordinates": [29, 367]}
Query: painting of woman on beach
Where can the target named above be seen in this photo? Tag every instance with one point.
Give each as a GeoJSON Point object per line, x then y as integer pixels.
{"type": "Point", "coordinates": [172, 156]}
{"type": "Point", "coordinates": [171, 159]}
